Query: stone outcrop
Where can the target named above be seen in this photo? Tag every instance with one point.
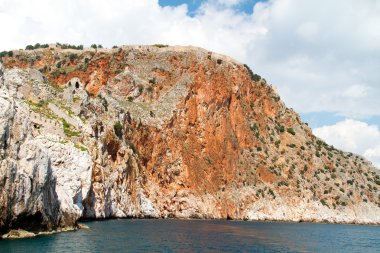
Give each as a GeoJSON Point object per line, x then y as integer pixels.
{"type": "Point", "coordinates": [146, 131]}
{"type": "Point", "coordinates": [43, 180]}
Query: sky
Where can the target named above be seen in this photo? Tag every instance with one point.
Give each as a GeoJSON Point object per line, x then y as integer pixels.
{"type": "Point", "coordinates": [322, 56]}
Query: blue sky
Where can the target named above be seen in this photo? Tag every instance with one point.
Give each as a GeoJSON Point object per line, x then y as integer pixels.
{"type": "Point", "coordinates": [322, 56]}
{"type": "Point", "coordinates": [245, 6]}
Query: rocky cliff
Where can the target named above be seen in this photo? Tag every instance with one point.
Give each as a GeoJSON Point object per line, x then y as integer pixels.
{"type": "Point", "coordinates": [153, 131]}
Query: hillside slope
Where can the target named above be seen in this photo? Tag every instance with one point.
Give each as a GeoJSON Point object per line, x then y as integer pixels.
{"type": "Point", "coordinates": [148, 131]}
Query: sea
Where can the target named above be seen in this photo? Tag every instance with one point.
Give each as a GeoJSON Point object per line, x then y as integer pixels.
{"type": "Point", "coordinates": [171, 235]}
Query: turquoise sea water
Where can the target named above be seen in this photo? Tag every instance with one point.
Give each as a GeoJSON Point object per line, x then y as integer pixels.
{"type": "Point", "coordinates": [203, 236]}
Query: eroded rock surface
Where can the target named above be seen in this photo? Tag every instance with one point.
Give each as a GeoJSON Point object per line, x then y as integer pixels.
{"type": "Point", "coordinates": [143, 131]}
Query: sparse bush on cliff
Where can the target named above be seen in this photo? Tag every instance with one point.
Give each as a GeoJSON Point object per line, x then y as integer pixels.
{"type": "Point", "coordinates": [72, 57]}
{"type": "Point", "coordinates": [94, 46]}
{"type": "Point", "coordinates": [6, 53]}
{"type": "Point", "coordinates": [80, 147]}
{"type": "Point", "coordinates": [141, 88]}
{"type": "Point", "coordinates": [160, 45]}
{"type": "Point", "coordinates": [280, 129]}
{"type": "Point", "coordinates": [36, 46]}
{"type": "Point", "coordinates": [29, 47]}
{"type": "Point", "coordinates": [255, 129]}
{"type": "Point", "coordinates": [67, 129]}
{"type": "Point", "coordinates": [149, 89]}
{"type": "Point", "coordinates": [283, 183]}
{"type": "Point", "coordinates": [291, 131]}
{"type": "Point", "coordinates": [68, 46]}
{"type": "Point", "coordinates": [272, 193]}
{"type": "Point", "coordinates": [118, 128]}
{"type": "Point", "coordinates": [152, 81]}
{"type": "Point", "coordinates": [254, 77]}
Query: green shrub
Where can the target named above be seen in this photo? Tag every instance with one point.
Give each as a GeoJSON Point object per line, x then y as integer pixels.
{"type": "Point", "coordinates": [68, 46]}
{"type": "Point", "coordinates": [272, 193]}
{"type": "Point", "coordinates": [67, 129]}
{"type": "Point", "coordinates": [140, 87]}
{"type": "Point", "coordinates": [29, 47]}
{"type": "Point", "coordinates": [160, 45]}
{"type": "Point", "coordinates": [254, 77]}
{"type": "Point", "coordinates": [149, 89]}
{"type": "Point", "coordinates": [152, 81]}
{"type": "Point", "coordinates": [72, 57]}
{"type": "Point", "coordinates": [94, 46]}
{"type": "Point", "coordinates": [118, 128]}
{"type": "Point", "coordinates": [282, 183]}
{"type": "Point", "coordinates": [291, 131]}
{"type": "Point", "coordinates": [5, 53]}
{"type": "Point", "coordinates": [134, 149]}
{"type": "Point", "coordinates": [80, 147]}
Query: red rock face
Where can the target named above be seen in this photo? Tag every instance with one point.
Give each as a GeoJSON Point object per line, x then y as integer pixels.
{"type": "Point", "coordinates": [207, 140]}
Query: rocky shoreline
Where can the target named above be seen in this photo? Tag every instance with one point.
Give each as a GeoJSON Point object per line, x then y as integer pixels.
{"type": "Point", "coordinates": [22, 234]}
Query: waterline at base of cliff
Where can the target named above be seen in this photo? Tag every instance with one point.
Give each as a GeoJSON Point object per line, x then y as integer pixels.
{"type": "Point", "coordinates": [134, 235]}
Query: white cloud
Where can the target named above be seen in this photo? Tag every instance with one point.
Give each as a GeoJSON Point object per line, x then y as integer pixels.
{"type": "Point", "coordinates": [357, 91]}
{"type": "Point", "coordinates": [373, 154]}
{"type": "Point", "coordinates": [317, 52]}
{"type": "Point", "coordinates": [354, 136]}
{"type": "Point", "coordinates": [229, 2]}
{"type": "Point", "coordinates": [308, 31]}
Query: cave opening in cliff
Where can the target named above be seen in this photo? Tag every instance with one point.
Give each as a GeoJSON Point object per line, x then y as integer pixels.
{"type": "Point", "coordinates": [29, 222]}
